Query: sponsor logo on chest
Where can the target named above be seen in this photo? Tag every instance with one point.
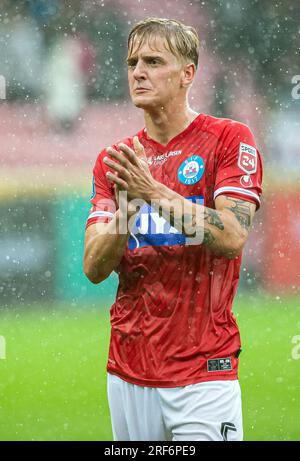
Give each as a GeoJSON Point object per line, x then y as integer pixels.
{"type": "Point", "coordinates": [156, 160]}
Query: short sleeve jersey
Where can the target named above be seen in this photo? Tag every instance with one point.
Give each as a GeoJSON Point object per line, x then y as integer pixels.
{"type": "Point", "coordinates": [172, 322]}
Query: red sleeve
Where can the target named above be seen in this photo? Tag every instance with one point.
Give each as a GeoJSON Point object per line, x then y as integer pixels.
{"type": "Point", "coordinates": [102, 198]}
{"type": "Point", "coordinates": [239, 167]}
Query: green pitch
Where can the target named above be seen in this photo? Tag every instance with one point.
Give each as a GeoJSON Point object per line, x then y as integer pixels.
{"type": "Point", "coordinates": [53, 382]}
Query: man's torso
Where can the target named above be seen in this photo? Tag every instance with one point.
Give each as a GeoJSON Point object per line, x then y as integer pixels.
{"type": "Point", "coordinates": [172, 323]}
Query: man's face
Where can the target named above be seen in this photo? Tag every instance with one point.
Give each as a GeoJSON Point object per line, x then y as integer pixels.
{"type": "Point", "coordinates": [154, 73]}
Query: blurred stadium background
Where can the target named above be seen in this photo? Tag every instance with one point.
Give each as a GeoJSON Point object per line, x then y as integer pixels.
{"type": "Point", "coordinates": [63, 97]}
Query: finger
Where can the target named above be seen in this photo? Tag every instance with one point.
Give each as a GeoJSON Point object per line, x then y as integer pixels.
{"type": "Point", "coordinates": [118, 156]}
{"type": "Point", "coordinates": [139, 149]}
{"type": "Point", "coordinates": [116, 180]}
{"type": "Point", "coordinates": [122, 171]}
{"type": "Point", "coordinates": [130, 154]}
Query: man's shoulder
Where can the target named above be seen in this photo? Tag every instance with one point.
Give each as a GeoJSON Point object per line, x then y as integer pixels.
{"type": "Point", "coordinates": [222, 127]}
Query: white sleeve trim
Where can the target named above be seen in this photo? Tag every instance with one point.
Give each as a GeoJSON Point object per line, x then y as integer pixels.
{"type": "Point", "coordinates": [237, 190]}
{"type": "Point", "coordinates": [101, 214]}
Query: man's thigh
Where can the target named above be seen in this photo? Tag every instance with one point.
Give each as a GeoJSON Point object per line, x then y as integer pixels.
{"type": "Point", "coordinates": [204, 411]}
{"type": "Point", "coordinates": [135, 411]}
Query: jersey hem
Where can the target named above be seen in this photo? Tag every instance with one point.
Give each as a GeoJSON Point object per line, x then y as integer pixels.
{"type": "Point", "coordinates": [186, 382]}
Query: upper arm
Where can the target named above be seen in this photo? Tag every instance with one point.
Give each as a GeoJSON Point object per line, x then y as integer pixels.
{"type": "Point", "coordinates": [103, 204]}
{"type": "Point", "coordinates": [239, 166]}
{"type": "Point", "coordinates": [94, 230]}
{"type": "Point", "coordinates": [103, 198]}
{"type": "Point", "coordinates": [242, 209]}
{"type": "Point", "coordinates": [95, 270]}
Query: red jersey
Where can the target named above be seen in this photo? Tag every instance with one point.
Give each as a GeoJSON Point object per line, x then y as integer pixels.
{"type": "Point", "coordinates": [172, 322]}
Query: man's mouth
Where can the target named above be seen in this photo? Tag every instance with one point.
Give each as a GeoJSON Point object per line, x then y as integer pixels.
{"type": "Point", "coordinates": [141, 90]}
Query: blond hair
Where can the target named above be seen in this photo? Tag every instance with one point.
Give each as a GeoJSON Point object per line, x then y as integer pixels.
{"type": "Point", "coordinates": [182, 40]}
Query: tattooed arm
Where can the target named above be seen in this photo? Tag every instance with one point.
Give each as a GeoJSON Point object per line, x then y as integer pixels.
{"type": "Point", "coordinates": [237, 216]}
{"type": "Point", "coordinates": [224, 230]}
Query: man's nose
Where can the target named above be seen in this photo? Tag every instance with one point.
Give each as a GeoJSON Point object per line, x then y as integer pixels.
{"type": "Point", "coordinates": [139, 71]}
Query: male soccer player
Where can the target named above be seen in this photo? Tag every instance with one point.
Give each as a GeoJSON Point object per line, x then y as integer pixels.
{"type": "Point", "coordinates": [173, 357]}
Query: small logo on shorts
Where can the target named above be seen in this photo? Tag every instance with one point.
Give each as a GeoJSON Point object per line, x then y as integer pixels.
{"type": "Point", "coordinates": [219, 364]}
{"type": "Point", "coordinates": [225, 427]}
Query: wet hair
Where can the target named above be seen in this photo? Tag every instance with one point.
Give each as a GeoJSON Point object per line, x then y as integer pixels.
{"type": "Point", "coordinates": [182, 40]}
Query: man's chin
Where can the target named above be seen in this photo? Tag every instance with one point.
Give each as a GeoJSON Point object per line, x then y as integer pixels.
{"type": "Point", "coordinates": [140, 105]}
{"type": "Point", "coordinates": [143, 103]}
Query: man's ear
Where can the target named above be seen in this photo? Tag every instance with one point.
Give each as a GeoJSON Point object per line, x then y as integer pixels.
{"type": "Point", "coordinates": [188, 74]}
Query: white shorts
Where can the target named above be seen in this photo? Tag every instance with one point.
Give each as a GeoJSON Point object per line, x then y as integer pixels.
{"type": "Point", "coordinates": [205, 411]}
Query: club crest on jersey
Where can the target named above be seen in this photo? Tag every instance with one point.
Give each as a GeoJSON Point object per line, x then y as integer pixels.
{"type": "Point", "coordinates": [247, 161]}
{"type": "Point", "coordinates": [191, 170]}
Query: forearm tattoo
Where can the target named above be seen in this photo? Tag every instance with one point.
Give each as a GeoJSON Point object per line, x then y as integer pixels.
{"type": "Point", "coordinates": [242, 212]}
{"type": "Point", "coordinates": [191, 227]}
{"type": "Point", "coordinates": [208, 237]}
{"type": "Point", "coordinates": [188, 222]}
{"type": "Point", "coordinates": [212, 217]}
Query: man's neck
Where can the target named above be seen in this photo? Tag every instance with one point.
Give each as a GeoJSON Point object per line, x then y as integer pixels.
{"type": "Point", "coordinates": [164, 124]}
